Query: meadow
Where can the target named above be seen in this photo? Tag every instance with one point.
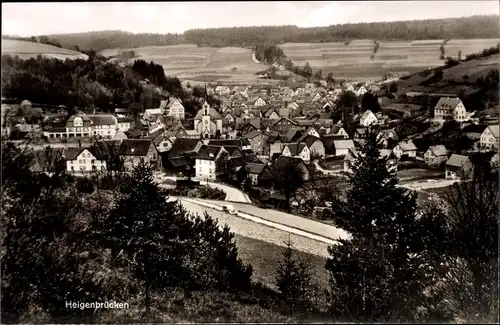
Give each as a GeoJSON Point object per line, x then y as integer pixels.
{"type": "Point", "coordinates": [200, 64]}
{"type": "Point", "coordinates": [26, 50]}
{"type": "Point", "coordinates": [353, 61]}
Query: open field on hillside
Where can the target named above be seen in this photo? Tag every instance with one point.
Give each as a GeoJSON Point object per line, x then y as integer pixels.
{"type": "Point", "coordinates": [26, 50]}
{"type": "Point", "coordinates": [233, 65]}
{"type": "Point", "coordinates": [264, 265]}
{"type": "Point", "coordinates": [353, 60]}
{"type": "Point", "coordinates": [192, 63]}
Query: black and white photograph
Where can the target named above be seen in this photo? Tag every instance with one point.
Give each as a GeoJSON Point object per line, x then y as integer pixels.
{"type": "Point", "coordinates": [250, 162]}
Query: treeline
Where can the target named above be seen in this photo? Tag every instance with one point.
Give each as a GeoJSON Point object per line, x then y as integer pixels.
{"type": "Point", "coordinates": [249, 37]}
{"type": "Point", "coordinates": [106, 237]}
{"type": "Point", "coordinates": [452, 28]}
{"type": "Point", "coordinates": [100, 40]}
{"type": "Point", "coordinates": [93, 83]}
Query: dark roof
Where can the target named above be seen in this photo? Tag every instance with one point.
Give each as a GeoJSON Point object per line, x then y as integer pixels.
{"type": "Point", "coordinates": [292, 133]}
{"type": "Point", "coordinates": [135, 147]}
{"type": "Point", "coordinates": [438, 150]}
{"type": "Point", "coordinates": [73, 153]}
{"type": "Point", "coordinates": [252, 134]}
{"type": "Point", "coordinates": [208, 152]}
{"type": "Point", "coordinates": [235, 142]}
{"type": "Point", "coordinates": [309, 140]}
{"type": "Point", "coordinates": [284, 161]}
{"type": "Point", "coordinates": [232, 150]}
{"type": "Point", "coordinates": [447, 103]}
{"type": "Point", "coordinates": [296, 148]}
{"type": "Point", "coordinates": [275, 138]}
{"type": "Point", "coordinates": [245, 142]}
{"type": "Point", "coordinates": [458, 161]}
{"type": "Point", "coordinates": [254, 168]}
{"type": "Point", "coordinates": [179, 161]}
{"type": "Point", "coordinates": [329, 139]}
{"type": "Point", "coordinates": [183, 145]}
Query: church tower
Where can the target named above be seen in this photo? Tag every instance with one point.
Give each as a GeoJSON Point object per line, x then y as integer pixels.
{"type": "Point", "coordinates": [205, 120]}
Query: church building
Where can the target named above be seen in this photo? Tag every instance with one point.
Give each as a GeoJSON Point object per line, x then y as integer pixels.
{"type": "Point", "coordinates": [208, 122]}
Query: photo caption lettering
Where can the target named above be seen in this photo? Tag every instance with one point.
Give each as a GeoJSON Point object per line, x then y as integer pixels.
{"type": "Point", "coordinates": [96, 305]}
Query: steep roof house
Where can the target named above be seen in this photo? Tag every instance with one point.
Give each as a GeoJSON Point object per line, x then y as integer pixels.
{"type": "Point", "coordinates": [436, 155]}
{"type": "Point", "coordinates": [458, 167]}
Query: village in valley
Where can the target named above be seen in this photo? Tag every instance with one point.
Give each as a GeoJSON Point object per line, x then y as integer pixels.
{"type": "Point", "coordinates": [256, 127]}
{"type": "Point", "coordinates": [240, 174]}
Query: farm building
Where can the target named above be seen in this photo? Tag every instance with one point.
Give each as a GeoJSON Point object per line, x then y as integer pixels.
{"type": "Point", "coordinates": [436, 155]}
{"type": "Point", "coordinates": [458, 167]}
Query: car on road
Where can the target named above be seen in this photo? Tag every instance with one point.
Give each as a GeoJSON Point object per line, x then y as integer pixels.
{"type": "Point", "coordinates": [229, 209]}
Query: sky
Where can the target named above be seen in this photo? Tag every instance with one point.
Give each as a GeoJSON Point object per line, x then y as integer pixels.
{"type": "Point", "coordinates": [33, 19]}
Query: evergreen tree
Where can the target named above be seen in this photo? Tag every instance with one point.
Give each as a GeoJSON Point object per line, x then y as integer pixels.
{"type": "Point", "coordinates": [388, 250]}
{"type": "Point", "coordinates": [146, 233]}
{"type": "Point", "coordinates": [293, 279]}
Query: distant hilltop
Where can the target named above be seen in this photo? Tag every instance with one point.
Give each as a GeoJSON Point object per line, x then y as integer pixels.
{"type": "Point", "coordinates": [474, 27]}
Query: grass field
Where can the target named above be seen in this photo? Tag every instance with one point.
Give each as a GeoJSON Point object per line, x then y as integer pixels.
{"type": "Point", "coordinates": [200, 64]}
{"type": "Point", "coordinates": [26, 50]}
{"type": "Point", "coordinates": [353, 60]}
{"type": "Point", "coordinates": [265, 258]}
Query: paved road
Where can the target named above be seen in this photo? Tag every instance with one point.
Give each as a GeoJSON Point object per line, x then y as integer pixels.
{"type": "Point", "coordinates": [421, 186]}
{"type": "Point", "coordinates": [275, 217]}
{"type": "Point", "coordinates": [249, 226]}
{"type": "Point", "coordinates": [232, 194]}
{"type": "Point", "coordinates": [336, 172]}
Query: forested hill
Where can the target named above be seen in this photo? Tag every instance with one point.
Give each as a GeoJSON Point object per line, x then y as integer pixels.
{"type": "Point", "coordinates": [450, 28]}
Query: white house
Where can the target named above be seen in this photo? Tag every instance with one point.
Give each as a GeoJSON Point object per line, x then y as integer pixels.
{"type": "Point", "coordinates": [450, 108]}
{"type": "Point", "coordinates": [297, 150]}
{"type": "Point", "coordinates": [489, 138]}
{"type": "Point", "coordinates": [175, 109]}
{"type": "Point", "coordinates": [124, 124]}
{"type": "Point", "coordinates": [205, 162]}
{"type": "Point", "coordinates": [368, 118]}
{"type": "Point", "coordinates": [259, 102]}
{"type": "Point", "coordinates": [405, 148]}
{"type": "Point", "coordinates": [84, 160]}
{"type": "Point", "coordinates": [360, 91]}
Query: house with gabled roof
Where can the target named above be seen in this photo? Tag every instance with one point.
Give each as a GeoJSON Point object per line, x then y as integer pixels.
{"type": "Point", "coordinates": [339, 131]}
{"type": "Point", "coordinates": [272, 114]}
{"type": "Point", "coordinates": [450, 108]}
{"type": "Point", "coordinates": [436, 155]}
{"type": "Point", "coordinates": [368, 119]}
{"type": "Point", "coordinates": [297, 150]}
{"type": "Point", "coordinates": [259, 101]}
{"type": "Point", "coordinates": [205, 161]}
{"type": "Point", "coordinates": [176, 109]}
{"type": "Point", "coordinates": [405, 148]}
{"type": "Point", "coordinates": [315, 145]}
{"type": "Point", "coordinates": [253, 171]}
{"type": "Point", "coordinates": [489, 138]}
{"type": "Point", "coordinates": [284, 124]}
{"type": "Point", "coordinates": [85, 160]}
{"type": "Point", "coordinates": [458, 167]}
{"type": "Point", "coordinates": [133, 151]}
{"type": "Point", "coordinates": [257, 140]}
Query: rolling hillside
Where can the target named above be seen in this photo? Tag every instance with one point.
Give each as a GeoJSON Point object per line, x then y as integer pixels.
{"type": "Point", "coordinates": [26, 50]}
{"type": "Point", "coordinates": [193, 63]}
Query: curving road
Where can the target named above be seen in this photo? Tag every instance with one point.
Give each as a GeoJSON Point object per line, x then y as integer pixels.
{"type": "Point", "coordinates": [337, 172]}
{"type": "Point", "coordinates": [232, 194]}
